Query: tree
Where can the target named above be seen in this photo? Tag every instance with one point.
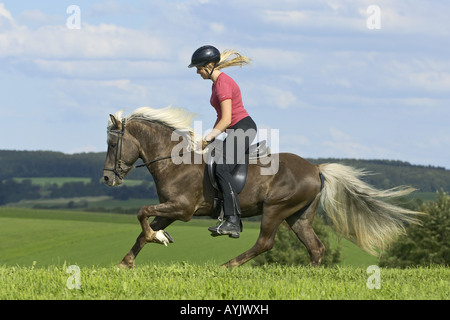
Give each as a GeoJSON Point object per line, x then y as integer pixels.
{"type": "Point", "coordinates": [288, 250]}
{"type": "Point", "coordinates": [424, 245]}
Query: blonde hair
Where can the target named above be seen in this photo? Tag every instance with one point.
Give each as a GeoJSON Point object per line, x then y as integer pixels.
{"type": "Point", "coordinates": [227, 59]}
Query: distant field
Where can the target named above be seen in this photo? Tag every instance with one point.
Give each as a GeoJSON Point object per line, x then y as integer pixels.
{"type": "Point", "coordinates": [52, 237]}
{"type": "Point", "coordinates": [87, 203]}
{"type": "Point", "coordinates": [41, 181]}
{"type": "Point", "coordinates": [58, 181]}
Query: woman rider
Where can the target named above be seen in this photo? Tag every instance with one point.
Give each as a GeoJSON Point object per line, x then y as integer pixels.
{"type": "Point", "coordinates": [231, 116]}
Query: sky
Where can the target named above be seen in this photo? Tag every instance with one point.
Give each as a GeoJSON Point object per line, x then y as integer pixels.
{"type": "Point", "coordinates": [338, 79]}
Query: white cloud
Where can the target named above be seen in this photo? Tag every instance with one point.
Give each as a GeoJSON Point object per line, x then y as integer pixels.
{"type": "Point", "coordinates": [280, 98]}
{"type": "Point", "coordinates": [397, 17]}
{"type": "Point", "coordinates": [343, 145]}
{"type": "Point", "coordinates": [330, 17]}
{"type": "Point", "coordinates": [421, 18]}
{"type": "Point", "coordinates": [6, 19]}
{"type": "Point", "coordinates": [99, 69]}
{"type": "Point", "coordinates": [422, 74]}
{"type": "Point", "coordinates": [276, 58]}
{"type": "Point", "coordinates": [108, 7]}
{"type": "Point", "coordinates": [37, 18]}
{"type": "Point", "coordinates": [431, 81]}
{"type": "Point", "coordinates": [91, 42]}
{"type": "Point", "coordinates": [218, 28]}
{"type": "Point", "coordinates": [286, 17]}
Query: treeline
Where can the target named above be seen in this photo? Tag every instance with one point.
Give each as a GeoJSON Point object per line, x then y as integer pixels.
{"type": "Point", "coordinates": [47, 164]}
{"type": "Point", "coordinates": [13, 191]}
{"type": "Point", "coordinates": [29, 164]}
{"type": "Point", "coordinates": [386, 173]}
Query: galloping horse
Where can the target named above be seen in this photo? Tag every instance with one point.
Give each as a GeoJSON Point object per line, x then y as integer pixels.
{"type": "Point", "coordinates": [357, 211]}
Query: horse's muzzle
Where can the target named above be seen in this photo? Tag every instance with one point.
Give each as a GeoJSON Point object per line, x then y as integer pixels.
{"type": "Point", "coordinates": [111, 179]}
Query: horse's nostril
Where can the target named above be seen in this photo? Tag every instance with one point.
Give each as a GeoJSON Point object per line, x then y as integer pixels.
{"type": "Point", "coordinates": [106, 178]}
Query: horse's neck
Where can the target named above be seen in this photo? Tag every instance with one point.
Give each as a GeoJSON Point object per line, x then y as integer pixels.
{"type": "Point", "coordinates": [153, 138]}
{"type": "Point", "coordinates": [155, 142]}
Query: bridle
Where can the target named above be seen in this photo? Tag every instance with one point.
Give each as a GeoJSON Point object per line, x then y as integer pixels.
{"type": "Point", "coordinates": [118, 162]}
{"type": "Point", "coordinates": [118, 157]}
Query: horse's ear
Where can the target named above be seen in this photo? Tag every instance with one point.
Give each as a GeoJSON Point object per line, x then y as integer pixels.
{"type": "Point", "coordinates": [115, 122]}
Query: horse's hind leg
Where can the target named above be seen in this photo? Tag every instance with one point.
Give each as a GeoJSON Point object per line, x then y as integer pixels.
{"type": "Point", "coordinates": [269, 225]}
{"type": "Point", "coordinates": [301, 224]}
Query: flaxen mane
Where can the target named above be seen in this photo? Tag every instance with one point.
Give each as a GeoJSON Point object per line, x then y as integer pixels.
{"type": "Point", "coordinates": [175, 118]}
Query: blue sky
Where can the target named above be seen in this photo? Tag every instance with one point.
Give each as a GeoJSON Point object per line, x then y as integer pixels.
{"type": "Point", "coordinates": [332, 86]}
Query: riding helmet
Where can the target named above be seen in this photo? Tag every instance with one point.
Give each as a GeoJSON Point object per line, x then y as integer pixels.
{"type": "Point", "coordinates": [204, 55]}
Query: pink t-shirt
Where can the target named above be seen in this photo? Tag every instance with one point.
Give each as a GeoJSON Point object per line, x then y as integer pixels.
{"type": "Point", "coordinates": [226, 88]}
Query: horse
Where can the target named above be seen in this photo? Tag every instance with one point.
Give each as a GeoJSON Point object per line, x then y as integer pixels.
{"type": "Point", "coordinates": [293, 193]}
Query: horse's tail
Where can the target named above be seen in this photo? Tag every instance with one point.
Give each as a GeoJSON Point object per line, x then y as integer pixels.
{"type": "Point", "coordinates": [359, 212]}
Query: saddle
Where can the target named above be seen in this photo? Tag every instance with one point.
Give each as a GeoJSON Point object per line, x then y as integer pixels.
{"type": "Point", "coordinates": [239, 173]}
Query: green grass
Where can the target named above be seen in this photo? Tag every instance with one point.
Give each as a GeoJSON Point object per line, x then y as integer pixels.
{"type": "Point", "coordinates": [180, 281]}
{"type": "Point", "coordinates": [37, 246]}
{"type": "Point", "coordinates": [52, 237]}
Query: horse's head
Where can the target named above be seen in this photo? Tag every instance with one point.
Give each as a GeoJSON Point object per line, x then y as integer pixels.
{"type": "Point", "coordinates": [123, 151]}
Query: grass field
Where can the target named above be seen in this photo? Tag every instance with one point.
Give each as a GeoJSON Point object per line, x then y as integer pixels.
{"type": "Point", "coordinates": [37, 246]}
{"type": "Point", "coordinates": [52, 237]}
{"type": "Point", "coordinates": [185, 281]}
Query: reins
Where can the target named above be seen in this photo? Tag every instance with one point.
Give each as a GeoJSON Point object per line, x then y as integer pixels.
{"type": "Point", "coordinates": [155, 160]}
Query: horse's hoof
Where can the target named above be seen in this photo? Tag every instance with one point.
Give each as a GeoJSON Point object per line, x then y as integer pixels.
{"type": "Point", "coordinates": [163, 237]}
{"type": "Point", "coordinates": [123, 265]}
{"type": "Point", "coordinates": [168, 237]}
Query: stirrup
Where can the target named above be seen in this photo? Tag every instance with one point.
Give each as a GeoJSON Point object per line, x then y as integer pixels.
{"type": "Point", "coordinates": [218, 231]}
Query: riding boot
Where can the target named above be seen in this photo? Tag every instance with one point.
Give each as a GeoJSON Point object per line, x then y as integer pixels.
{"type": "Point", "coordinates": [232, 224]}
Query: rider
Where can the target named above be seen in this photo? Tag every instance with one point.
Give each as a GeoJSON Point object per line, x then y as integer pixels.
{"type": "Point", "coordinates": [231, 116]}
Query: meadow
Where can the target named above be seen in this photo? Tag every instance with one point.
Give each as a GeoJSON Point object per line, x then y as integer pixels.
{"type": "Point", "coordinates": [54, 237]}
{"type": "Point", "coordinates": [38, 246]}
{"type": "Point", "coordinates": [186, 281]}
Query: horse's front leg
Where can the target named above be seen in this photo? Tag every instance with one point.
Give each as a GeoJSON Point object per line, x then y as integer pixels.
{"type": "Point", "coordinates": [130, 257]}
{"type": "Point", "coordinates": [169, 210]}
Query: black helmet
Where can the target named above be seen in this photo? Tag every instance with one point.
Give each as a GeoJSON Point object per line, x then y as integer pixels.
{"type": "Point", "coordinates": [204, 55]}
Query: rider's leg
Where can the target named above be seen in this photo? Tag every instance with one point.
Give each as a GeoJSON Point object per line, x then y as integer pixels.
{"type": "Point", "coordinates": [232, 211]}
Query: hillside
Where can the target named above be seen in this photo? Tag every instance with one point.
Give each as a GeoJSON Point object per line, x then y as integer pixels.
{"type": "Point", "coordinates": [29, 164]}
{"type": "Point", "coordinates": [386, 173]}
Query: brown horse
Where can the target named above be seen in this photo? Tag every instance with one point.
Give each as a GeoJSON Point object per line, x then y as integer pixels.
{"type": "Point", "coordinates": [292, 194]}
